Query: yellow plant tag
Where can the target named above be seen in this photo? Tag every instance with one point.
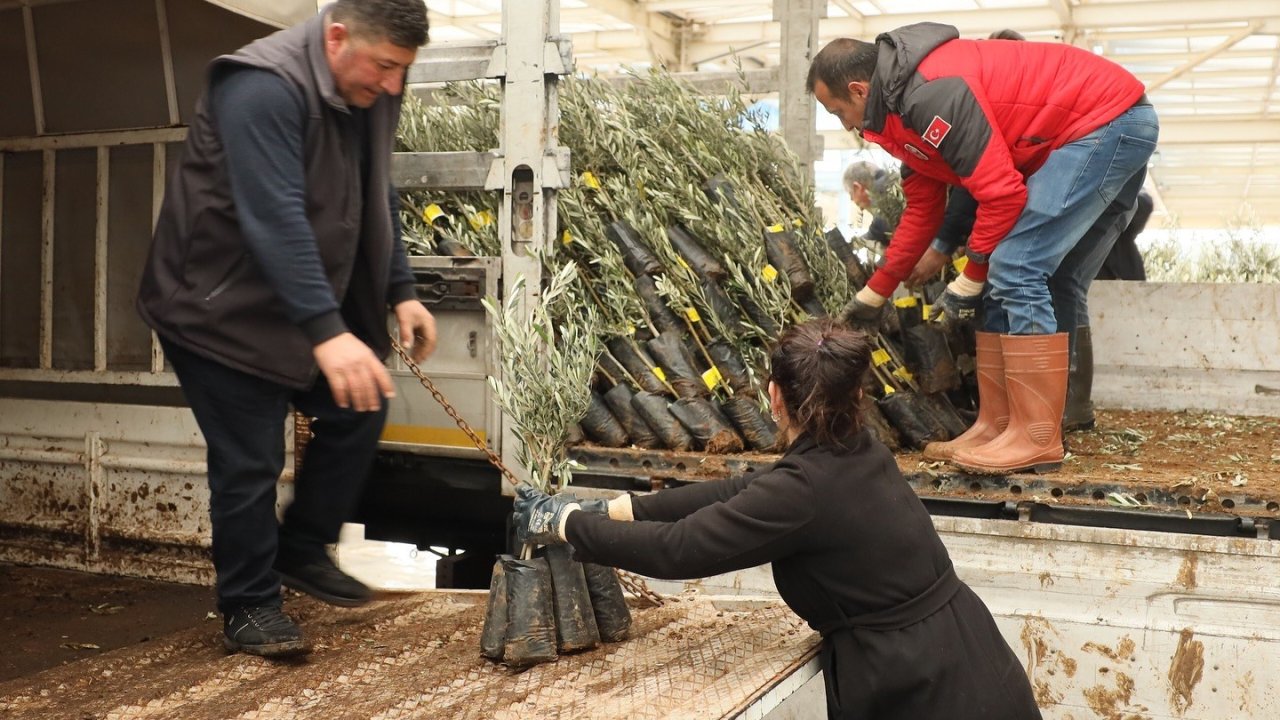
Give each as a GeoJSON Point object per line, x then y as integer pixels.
{"type": "Point", "coordinates": [661, 375]}
{"type": "Point", "coordinates": [711, 377]}
{"type": "Point", "coordinates": [926, 311]}
{"type": "Point", "coordinates": [776, 228]}
{"type": "Point", "coordinates": [959, 263]}
{"type": "Point", "coordinates": [567, 239]}
{"type": "Point", "coordinates": [769, 273]}
{"type": "Point", "coordinates": [589, 179]}
{"type": "Point", "coordinates": [903, 374]}
{"type": "Point", "coordinates": [888, 390]}
{"type": "Point", "coordinates": [431, 212]}
{"type": "Point", "coordinates": [481, 220]}
{"type": "Point", "coordinates": [879, 356]}
{"type": "Point", "coordinates": [905, 302]}
{"type": "Point", "coordinates": [692, 314]}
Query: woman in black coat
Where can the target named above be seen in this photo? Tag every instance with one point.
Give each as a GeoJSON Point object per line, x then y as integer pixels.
{"type": "Point", "coordinates": [854, 552]}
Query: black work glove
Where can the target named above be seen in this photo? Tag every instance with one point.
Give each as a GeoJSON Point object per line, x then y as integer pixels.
{"type": "Point", "coordinates": [862, 315]}
{"type": "Point", "coordinates": [959, 304]}
{"type": "Point", "coordinates": [538, 516]}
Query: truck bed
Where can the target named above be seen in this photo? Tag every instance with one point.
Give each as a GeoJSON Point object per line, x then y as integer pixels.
{"type": "Point", "coordinates": [417, 656]}
{"type": "Point", "coordinates": [1142, 460]}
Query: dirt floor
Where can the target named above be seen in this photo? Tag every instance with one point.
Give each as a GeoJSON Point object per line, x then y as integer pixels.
{"type": "Point", "coordinates": [52, 617]}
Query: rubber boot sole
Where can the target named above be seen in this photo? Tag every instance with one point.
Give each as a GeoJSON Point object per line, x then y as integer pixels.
{"type": "Point", "coordinates": [288, 648]}
{"type": "Point", "coordinates": [318, 593]}
{"type": "Point", "coordinates": [1038, 468]}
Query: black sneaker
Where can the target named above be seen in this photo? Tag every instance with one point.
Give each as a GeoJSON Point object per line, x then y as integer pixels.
{"type": "Point", "coordinates": [321, 579]}
{"type": "Point", "coordinates": [262, 630]}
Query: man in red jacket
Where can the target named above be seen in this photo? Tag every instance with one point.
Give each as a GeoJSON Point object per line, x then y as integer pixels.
{"type": "Point", "coordinates": [1052, 141]}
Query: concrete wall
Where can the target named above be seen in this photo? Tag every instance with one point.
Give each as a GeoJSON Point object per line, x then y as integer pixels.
{"type": "Point", "coordinates": [1177, 346]}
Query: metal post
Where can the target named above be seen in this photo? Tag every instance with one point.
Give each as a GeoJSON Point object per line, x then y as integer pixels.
{"type": "Point", "coordinates": [33, 68]}
{"type": "Point", "coordinates": [799, 20]}
{"type": "Point", "coordinates": [49, 166]}
{"type": "Point", "coordinates": [158, 165]}
{"type": "Point", "coordinates": [528, 62]}
{"type": "Point", "coordinates": [100, 260]}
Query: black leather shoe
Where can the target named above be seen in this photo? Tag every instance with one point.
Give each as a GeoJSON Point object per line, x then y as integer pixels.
{"type": "Point", "coordinates": [321, 579]}
{"type": "Point", "coordinates": [262, 630]}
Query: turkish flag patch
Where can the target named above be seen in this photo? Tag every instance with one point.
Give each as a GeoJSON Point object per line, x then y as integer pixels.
{"type": "Point", "coordinates": [937, 130]}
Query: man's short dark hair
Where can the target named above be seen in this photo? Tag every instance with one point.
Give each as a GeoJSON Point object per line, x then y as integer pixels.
{"type": "Point", "coordinates": [842, 61]}
{"type": "Point", "coordinates": [401, 22]}
{"type": "Point", "coordinates": [1006, 34]}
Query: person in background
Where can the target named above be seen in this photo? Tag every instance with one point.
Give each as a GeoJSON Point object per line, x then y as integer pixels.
{"type": "Point", "coordinates": [853, 550]}
{"type": "Point", "coordinates": [1052, 142]}
{"type": "Point", "coordinates": [276, 257]}
{"type": "Point", "coordinates": [860, 180]}
{"type": "Point", "coordinates": [1124, 262]}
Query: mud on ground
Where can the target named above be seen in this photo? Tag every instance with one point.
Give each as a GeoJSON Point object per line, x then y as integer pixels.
{"type": "Point", "coordinates": [1190, 461]}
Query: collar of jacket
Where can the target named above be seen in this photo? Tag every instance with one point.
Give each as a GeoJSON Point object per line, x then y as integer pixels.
{"type": "Point", "coordinates": [805, 442]}
{"type": "Point", "coordinates": [320, 61]}
{"type": "Point", "coordinates": [899, 54]}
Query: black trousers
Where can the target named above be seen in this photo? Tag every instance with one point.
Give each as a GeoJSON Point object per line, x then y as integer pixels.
{"type": "Point", "coordinates": [243, 420]}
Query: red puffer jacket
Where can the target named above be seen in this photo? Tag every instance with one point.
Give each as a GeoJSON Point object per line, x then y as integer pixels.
{"type": "Point", "coordinates": [984, 114]}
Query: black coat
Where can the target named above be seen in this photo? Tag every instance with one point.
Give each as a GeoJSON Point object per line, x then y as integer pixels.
{"type": "Point", "coordinates": [855, 554]}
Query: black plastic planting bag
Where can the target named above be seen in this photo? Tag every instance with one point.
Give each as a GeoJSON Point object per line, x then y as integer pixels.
{"type": "Point", "coordinates": [635, 254]}
{"type": "Point", "coordinates": [619, 401]}
{"type": "Point", "coordinates": [730, 366]}
{"type": "Point", "coordinates": [924, 410]}
{"type": "Point", "coordinates": [653, 408]}
{"type": "Point", "coordinates": [601, 426]}
{"type": "Point", "coordinates": [493, 637]}
{"type": "Point", "coordinates": [530, 628]}
{"type": "Point", "coordinates": [575, 622]}
{"type": "Point", "coordinates": [700, 261]}
{"type": "Point", "coordinates": [719, 303]}
{"type": "Point", "coordinates": [613, 618]}
{"type": "Point", "coordinates": [779, 246]}
{"type": "Point", "coordinates": [814, 307]}
{"type": "Point", "coordinates": [640, 367]}
{"type": "Point", "coordinates": [756, 428]}
{"type": "Point", "coordinates": [662, 316]}
{"type": "Point", "coordinates": [452, 248]}
{"type": "Point", "coordinates": [711, 429]}
{"type": "Point", "coordinates": [768, 326]}
{"type": "Point", "coordinates": [946, 414]}
{"type": "Point", "coordinates": [925, 352]}
{"type": "Point", "coordinates": [670, 352]}
{"type": "Point", "coordinates": [902, 415]}
{"type": "Point", "coordinates": [874, 419]}
{"type": "Point", "coordinates": [853, 267]}
{"type": "Point", "coordinates": [720, 191]}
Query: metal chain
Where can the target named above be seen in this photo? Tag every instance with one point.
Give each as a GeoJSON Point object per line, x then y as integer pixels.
{"type": "Point", "coordinates": [630, 581]}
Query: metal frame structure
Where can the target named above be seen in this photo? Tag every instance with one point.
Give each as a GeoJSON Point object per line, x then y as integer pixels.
{"type": "Point", "coordinates": [1211, 67]}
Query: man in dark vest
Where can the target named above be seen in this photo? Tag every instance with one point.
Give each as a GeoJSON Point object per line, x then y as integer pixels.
{"type": "Point", "coordinates": [277, 254]}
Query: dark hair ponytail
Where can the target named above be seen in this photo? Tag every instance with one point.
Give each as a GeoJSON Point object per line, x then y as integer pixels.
{"type": "Point", "coordinates": [819, 367]}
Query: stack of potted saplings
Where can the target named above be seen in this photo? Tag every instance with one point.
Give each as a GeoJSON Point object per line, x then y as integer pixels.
{"type": "Point", "coordinates": [697, 239]}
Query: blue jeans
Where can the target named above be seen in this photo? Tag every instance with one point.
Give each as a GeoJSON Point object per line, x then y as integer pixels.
{"type": "Point", "coordinates": [1077, 204]}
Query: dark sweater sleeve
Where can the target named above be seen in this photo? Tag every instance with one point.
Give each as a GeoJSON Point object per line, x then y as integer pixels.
{"type": "Point", "coordinates": [761, 523]}
{"type": "Point", "coordinates": [676, 503]}
{"type": "Point", "coordinates": [957, 222]}
{"type": "Point", "coordinates": [400, 285]}
{"type": "Point", "coordinates": [260, 123]}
